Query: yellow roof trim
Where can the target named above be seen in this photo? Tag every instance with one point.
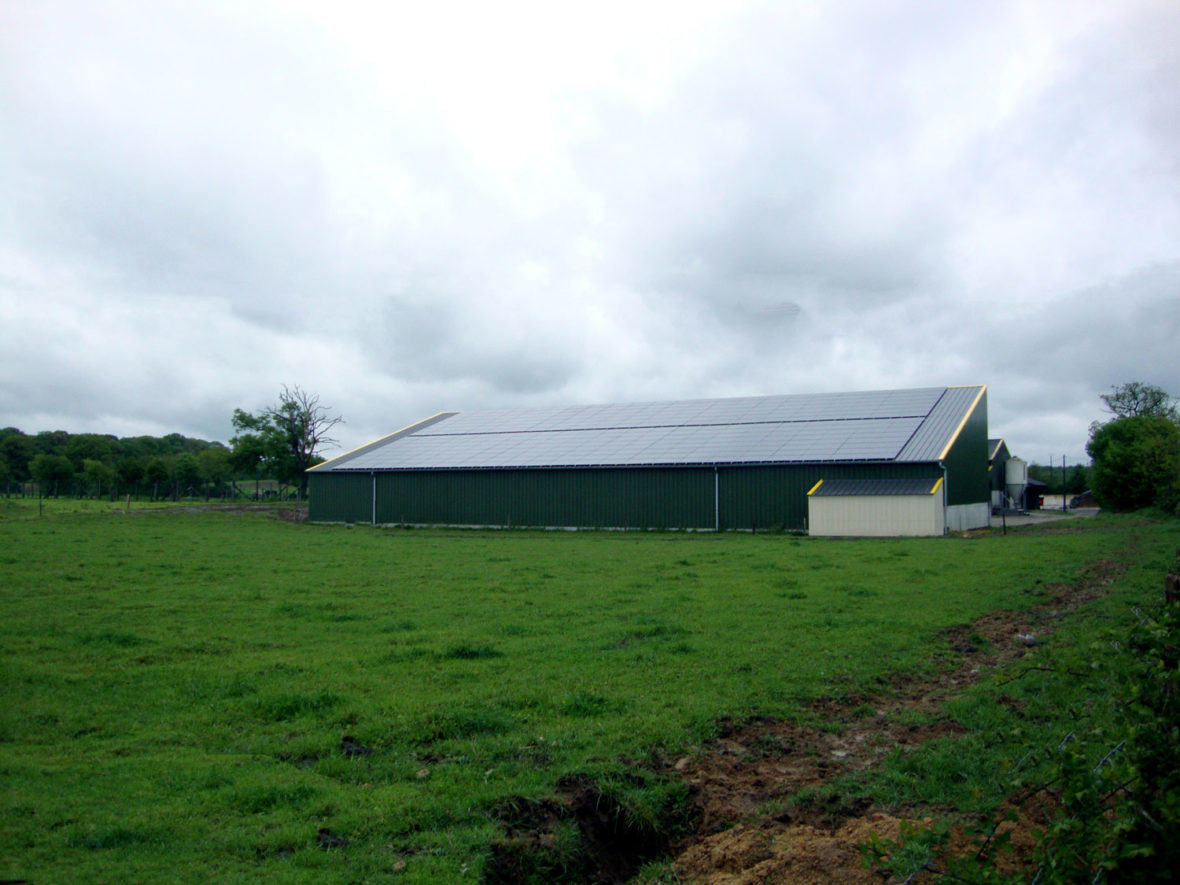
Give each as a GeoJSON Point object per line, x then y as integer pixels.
{"type": "Point", "coordinates": [814, 487]}
{"type": "Point", "coordinates": [966, 415]}
{"type": "Point", "coordinates": [405, 429]}
{"type": "Point", "coordinates": [937, 485]}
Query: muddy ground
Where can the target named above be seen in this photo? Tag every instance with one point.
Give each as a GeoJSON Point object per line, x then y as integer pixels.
{"type": "Point", "coordinates": [757, 766]}
{"type": "Point", "coordinates": [744, 829]}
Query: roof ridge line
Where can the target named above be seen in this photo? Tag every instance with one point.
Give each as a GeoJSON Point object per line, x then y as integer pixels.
{"type": "Point", "coordinates": [668, 426]}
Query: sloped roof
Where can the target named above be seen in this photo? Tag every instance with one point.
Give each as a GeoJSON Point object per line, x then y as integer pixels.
{"type": "Point", "coordinates": [843, 488]}
{"type": "Point", "coordinates": [884, 425]}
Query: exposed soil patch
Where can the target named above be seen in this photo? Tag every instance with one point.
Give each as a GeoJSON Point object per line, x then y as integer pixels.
{"type": "Point", "coordinates": [741, 781]}
{"type": "Point", "coordinates": [746, 828]}
{"type": "Point", "coordinates": [581, 836]}
{"type": "Point", "coordinates": [797, 853]}
{"type": "Point", "coordinates": [1028, 815]}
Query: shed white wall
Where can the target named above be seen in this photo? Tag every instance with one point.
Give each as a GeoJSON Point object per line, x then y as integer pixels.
{"type": "Point", "coordinates": [964, 517]}
{"type": "Point", "coordinates": [881, 516]}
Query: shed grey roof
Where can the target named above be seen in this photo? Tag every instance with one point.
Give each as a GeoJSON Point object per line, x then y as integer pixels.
{"type": "Point", "coordinates": [843, 488]}
{"type": "Point", "coordinates": [888, 425]}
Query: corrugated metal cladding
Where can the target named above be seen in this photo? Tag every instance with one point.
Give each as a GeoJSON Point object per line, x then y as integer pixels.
{"type": "Point", "coordinates": [776, 496]}
{"type": "Point", "coordinates": [590, 498]}
{"type": "Point", "coordinates": [876, 515]}
{"type": "Point", "coordinates": [738, 497]}
{"type": "Point", "coordinates": [965, 456]}
{"type": "Point", "coordinates": [340, 497]}
{"type": "Point", "coordinates": [728, 464]}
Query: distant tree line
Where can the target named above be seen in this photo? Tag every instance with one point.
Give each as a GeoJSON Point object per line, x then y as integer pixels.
{"type": "Point", "coordinates": [55, 463]}
{"type": "Point", "coordinates": [277, 445]}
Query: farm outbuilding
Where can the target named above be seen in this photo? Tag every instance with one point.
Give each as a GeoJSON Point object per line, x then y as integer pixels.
{"type": "Point", "coordinates": [997, 466]}
{"type": "Point", "coordinates": [716, 464]}
{"type": "Point", "coordinates": [877, 507]}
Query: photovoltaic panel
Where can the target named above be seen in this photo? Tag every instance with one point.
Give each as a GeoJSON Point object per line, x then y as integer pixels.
{"type": "Point", "coordinates": [872, 425]}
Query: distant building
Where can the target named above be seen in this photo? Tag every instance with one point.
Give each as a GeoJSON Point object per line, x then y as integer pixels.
{"type": "Point", "coordinates": [997, 463]}
{"type": "Point", "coordinates": [1035, 494]}
{"type": "Point", "coordinates": [865, 463]}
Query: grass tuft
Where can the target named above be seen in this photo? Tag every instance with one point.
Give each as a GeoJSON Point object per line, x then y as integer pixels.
{"type": "Point", "coordinates": [467, 652]}
{"type": "Point", "coordinates": [283, 707]}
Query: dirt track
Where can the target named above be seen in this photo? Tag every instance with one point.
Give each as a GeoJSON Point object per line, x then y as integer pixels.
{"type": "Point", "coordinates": [758, 765]}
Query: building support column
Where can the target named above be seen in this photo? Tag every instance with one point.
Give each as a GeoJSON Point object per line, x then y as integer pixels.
{"type": "Point", "coordinates": [945, 502]}
{"type": "Point", "coordinates": [716, 500]}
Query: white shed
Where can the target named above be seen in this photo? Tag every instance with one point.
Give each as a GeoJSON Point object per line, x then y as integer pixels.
{"type": "Point", "coordinates": [876, 507]}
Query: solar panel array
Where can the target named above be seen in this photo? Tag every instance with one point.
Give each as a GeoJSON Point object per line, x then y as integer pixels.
{"type": "Point", "coordinates": [941, 425]}
{"type": "Point", "coordinates": [708, 412]}
{"type": "Point", "coordinates": [862, 426]}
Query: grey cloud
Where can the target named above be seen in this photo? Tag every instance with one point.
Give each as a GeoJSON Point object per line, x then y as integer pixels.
{"type": "Point", "coordinates": [783, 198]}
{"type": "Point", "coordinates": [767, 161]}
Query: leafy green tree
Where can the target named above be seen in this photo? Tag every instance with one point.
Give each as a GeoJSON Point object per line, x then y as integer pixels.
{"type": "Point", "coordinates": [141, 447]}
{"type": "Point", "coordinates": [16, 450]}
{"type": "Point", "coordinates": [250, 455]}
{"type": "Point", "coordinates": [82, 447]}
{"type": "Point", "coordinates": [215, 468]}
{"type": "Point", "coordinates": [1078, 479]}
{"type": "Point", "coordinates": [98, 476]}
{"type": "Point", "coordinates": [130, 471]}
{"type": "Point", "coordinates": [1136, 398]}
{"type": "Point", "coordinates": [50, 442]}
{"type": "Point", "coordinates": [51, 473]}
{"type": "Point", "coordinates": [155, 473]}
{"type": "Point", "coordinates": [186, 474]}
{"type": "Point", "coordinates": [1136, 462]}
{"type": "Point", "coordinates": [283, 441]}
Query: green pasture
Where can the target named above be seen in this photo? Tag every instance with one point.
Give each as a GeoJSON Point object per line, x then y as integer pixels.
{"type": "Point", "coordinates": [176, 684]}
{"type": "Point", "coordinates": [17, 508]}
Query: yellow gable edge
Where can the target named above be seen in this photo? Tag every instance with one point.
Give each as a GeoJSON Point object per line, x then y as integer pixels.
{"type": "Point", "coordinates": [966, 415]}
{"type": "Point", "coordinates": [405, 429]}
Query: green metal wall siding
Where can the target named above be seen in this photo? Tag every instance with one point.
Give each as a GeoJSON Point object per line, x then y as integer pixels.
{"type": "Point", "coordinates": [966, 461]}
{"type": "Point", "coordinates": [776, 496]}
{"type": "Point", "coordinates": [642, 498]}
{"type": "Point", "coordinates": [339, 497]}
{"type": "Point", "coordinates": [759, 497]}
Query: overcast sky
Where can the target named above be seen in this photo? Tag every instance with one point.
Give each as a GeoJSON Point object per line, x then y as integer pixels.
{"type": "Point", "coordinates": [414, 207]}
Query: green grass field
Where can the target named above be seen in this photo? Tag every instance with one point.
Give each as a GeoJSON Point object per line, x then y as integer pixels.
{"type": "Point", "coordinates": [176, 685]}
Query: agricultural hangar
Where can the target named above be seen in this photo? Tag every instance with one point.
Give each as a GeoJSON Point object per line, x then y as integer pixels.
{"type": "Point", "coordinates": [890, 462]}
